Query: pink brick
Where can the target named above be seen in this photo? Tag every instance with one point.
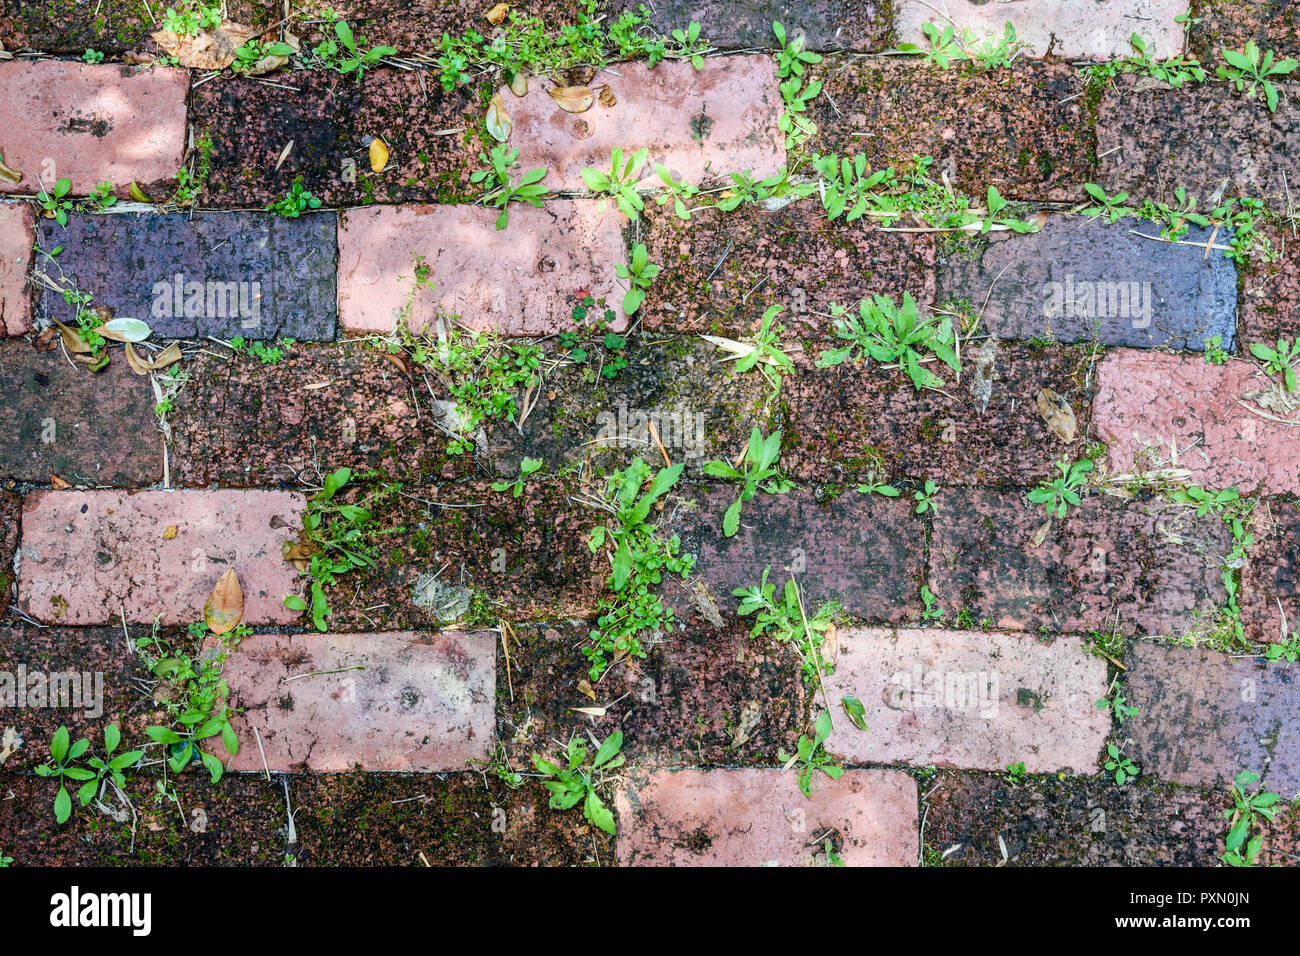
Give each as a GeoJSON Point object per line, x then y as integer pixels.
{"type": "Point", "coordinates": [84, 555]}
{"type": "Point", "coordinates": [91, 123]}
{"type": "Point", "coordinates": [17, 234]}
{"type": "Point", "coordinates": [1160, 411]}
{"type": "Point", "coordinates": [1082, 29]}
{"type": "Point", "coordinates": [520, 280]}
{"type": "Point", "coordinates": [968, 699]}
{"type": "Point", "coordinates": [699, 124]}
{"type": "Point", "coordinates": [396, 701]}
{"type": "Point", "coordinates": [758, 817]}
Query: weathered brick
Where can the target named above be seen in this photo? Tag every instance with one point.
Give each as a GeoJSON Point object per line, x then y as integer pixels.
{"type": "Point", "coordinates": [1219, 422]}
{"type": "Point", "coordinates": [701, 411]}
{"type": "Point", "coordinates": [702, 696]}
{"type": "Point", "coordinates": [1142, 567]}
{"type": "Point", "coordinates": [759, 817]}
{"type": "Point", "coordinates": [699, 123]}
{"type": "Point", "coordinates": [1203, 717]}
{"type": "Point", "coordinates": [16, 238]}
{"type": "Point", "coordinates": [396, 701]}
{"type": "Point", "coordinates": [865, 551]}
{"type": "Point", "coordinates": [90, 557]}
{"type": "Point", "coordinates": [110, 26]}
{"type": "Point", "coordinates": [1270, 585]}
{"type": "Point", "coordinates": [410, 25]}
{"type": "Point", "coordinates": [1274, 25]}
{"type": "Point", "coordinates": [1066, 28]}
{"type": "Point", "coordinates": [198, 274]}
{"type": "Point", "coordinates": [969, 699]}
{"type": "Point", "coordinates": [433, 138]}
{"type": "Point", "coordinates": [859, 25]}
{"type": "Point", "coordinates": [11, 508]}
{"type": "Point", "coordinates": [722, 270]}
{"type": "Point", "coordinates": [1196, 137]}
{"type": "Point", "coordinates": [91, 124]}
{"type": "Point", "coordinates": [519, 280]}
{"type": "Point", "coordinates": [1270, 292]}
{"type": "Point", "coordinates": [1081, 280]}
{"type": "Point", "coordinates": [342, 405]}
{"type": "Point", "coordinates": [1026, 131]}
{"type": "Point", "coordinates": [855, 421]}
{"type": "Point", "coordinates": [86, 427]}
{"type": "Point", "coordinates": [1045, 821]}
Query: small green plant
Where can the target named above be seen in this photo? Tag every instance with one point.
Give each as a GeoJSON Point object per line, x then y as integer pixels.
{"type": "Point", "coordinates": [1116, 703]}
{"type": "Point", "coordinates": [1214, 351]}
{"type": "Point", "coordinates": [5, 861]}
{"type": "Point", "coordinates": [890, 333]}
{"type": "Point", "coordinates": [503, 192]}
{"type": "Point", "coordinates": [792, 58]}
{"type": "Point", "coordinates": [1016, 772]}
{"type": "Point", "coordinates": [189, 16]}
{"type": "Point", "coordinates": [793, 121]}
{"type": "Point", "coordinates": [251, 53]}
{"type": "Point", "coordinates": [55, 203]}
{"type": "Point", "coordinates": [877, 488]}
{"type": "Point", "coordinates": [924, 498]}
{"type": "Point", "coordinates": [526, 467]}
{"type": "Point", "coordinates": [1207, 501]}
{"type": "Point", "coordinates": [1280, 358]}
{"type": "Point", "coordinates": [1059, 494]}
{"type": "Point", "coordinates": [766, 352]}
{"type": "Point", "coordinates": [620, 183]}
{"type": "Point", "coordinates": [1248, 809]}
{"type": "Point", "coordinates": [63, 756]}
{"type": "Point", "coordinates": [638, 560]}
{"type": "Point", "coordinates": [1111, 207]}
{"type": "Point", "coordinates": [1288, 650]}
{"type": "Point", "coordinates": [932, 611]}
{"type": "Point", "coordinates": [579, 782]}
{"type": "Point", "coordinates": [785, 620]}
{"type": "Point", "coordinates": [1120, 765]}
{"type": "Point", "coordinates": [334, 542]}
{"type": "Point", "coordinates": [944, 46]}
{"type": "Point", "coordinates": [102, 196]}
{"type": "Point", "coordinates": [295, 202]}
{"type": "Point", "coordinates": [994, 52]}
{"type": "Point", "coordinates": [757, 471]}
{"type": "Point", "coordinates": [1249, 66]}
{"type": "Point", "coordinates": [676, 191]}
{"type": "Point", "coordinates": [92, 56]}
{"type": "Point", "coordinates": [639, 273]}
{"type": "Point", "coordinates": [348, 53]}
{"type": "Point", "coordinates": [1177, 70]}
{"type": "Point", "coordinates": [810, 756]}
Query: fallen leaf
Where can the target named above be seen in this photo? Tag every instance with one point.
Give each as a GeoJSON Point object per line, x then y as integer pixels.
{"type": "Point", "coordinates": [572, 99]}
{"type": "Point", "coordinates": [704, 601]}
{"type": "Point", "coordinates": [59, 484]}
{"type": "Point", "coordinates": [8, 744]}
{"type": "Point", "coordinates": [584, 688]}
{"type": "Point", "coordinates": [607, 97]}
{"type": "Point", "coordinates": [750, 715]}
{"type": "Point", "coordinates": [284, 154]}
{"type": "Point", "coordinates": [497, 15]}
{"type": "Point", "coordinates": [403, 365]}
{"type": "Point", "coordinates": [497, 119]}
{"type": "Point", "coordinates": [590, 711]}
{"type": "Point", "coordinates": [9, 173]}
{"type": "Point", "coordinates": [142, 366]}
{"type": "Point", "coordinates": [1041, 534]}
{"type": "Point", "coordinates": [137, 193]}
{"type": "Point", "coordinates": [225, 607]}
{"type": "Point", "coordinates": [266, 64]}
{"type": "Point", "coordinates": [208, 49]}
{"type": "Point", "coordinates": [378, 155]}
{"type": "Point", "coordinates": [46, 340]}
{"type": "Point", "coordinates": [518, 83]}
{"type": "Point", "coordinates": [169, 532]}
{"type": "Point", "coordinates": [71, 340]}
{"type": "Point", "coordinates": [739, 349]}
{"type": "Point", "coordinates": [125, 330]}
{"type": "Point", "coordinates": [580, 75]}
{"type": "Point", "coordinates": [1058, 414]}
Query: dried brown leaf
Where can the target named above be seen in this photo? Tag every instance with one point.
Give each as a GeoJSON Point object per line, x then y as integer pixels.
{"type": "Point", "coordinates": [1058, 414]}
{"type": "Point", "coordinates": [497, 15]}
{"type": "Point", "coordinates": [225, 607]}
{"type": "Point", "coordinates": [572, 99]}
{"type": "Point", "coordinates": [59, 484]}
{"type": "Point", "coordinates": [497, 119]}
{"type": "Point", "coordinates": [518, 83]}
{"type": "Point", "coordinates": [607, 97]}
{"type": "Point", "coordinates": [208, 49]}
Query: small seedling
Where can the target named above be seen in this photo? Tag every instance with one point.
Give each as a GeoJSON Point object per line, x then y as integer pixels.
{"type": "Point", "coordinates": [757, 471]}
{"type": "Point", "coordinates": [526, 467]}
{"type": "Point", "coordinates": [876, 488]}
{"type": "Point", "coordinates": [639, 273]}
{"type": "Point", "coordinates": [1215, 354]}
{"type": "Point", "coordinates": [54, 203]}
{"type": "Point", "coordinates": [810, 757]}
{"type": "Point", "coordinates": [924, 498]}
{"type": "Point", "coordinates": [792, 57]}
{"type": "Point", "coordinates": [353, 57]}
{"type": "Point", "coordinates": [1250, 66]}
{"type": "Point", "coordinates": [295, 202]}
{"type": "Point", "coordinates": [619, 184]}
{"type": "Point", "coordinates": [1117, 704]}
{"type": "Point", "coordinates": [93, 56]}
{"type": "Point", "coordinates": [1058, 495]}
{"type": "Point", "coordinates": [932, 611]}
{"type": "Point", "coordinates": [62, 756]}
{"type": "Point", "coordinates": [1249, 808]}
{"type": "Point", "coordinates": [1288, 650]}
{"type": "Point", "coordinates": [578, 782]}
{"type": "Point", "coordinates": [1207, 501]}
{"type": "Point", "coordinates": [784, 620]}
{"type": "Point", "coordinates": [766, 352]}
{"type": "Point", "coordinates": [528, 189]}
{"type": "Point", "coordinates": [1121, 766]}
{"type": "Point", "coordinates": [1279, 359]}
{"type": "Point", "coordinates": [1016, 772]}
{"type": "Point", "coordinates": [1111, 207]}
{"type": "Point", "coordinates": [890, 333]}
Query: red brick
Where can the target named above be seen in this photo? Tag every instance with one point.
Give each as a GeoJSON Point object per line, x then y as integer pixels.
{"type": "Point", "coordinates": [1001, 699]}
{"type": "Point", "coordinates": [11, 508]}
{"type": "Point", "coordinates": [519, 280]}
{"type": "Point", "coordinates": [17, 233]}
{"type": "Point", "coordinates": [1195, 137]}
{"type": "Point", "coordinates": [722, 270]}
{"type": "Point", "coordinates": [859, 25]}
{"type": "Point", "coordinates": [699, 124]}
{"type": "Point", "coordinates": [1026, 131]}
{"type": "Point", "coordinates": [759, 817]}
{"type": "Point", "coordinates": [1145, 567]}
{"type": "Point", "coordinates": [856, 422]}
{"type": "Point", "coordinates": [396, 701]}
{"type": "Point", "coordinates": [865, 551]}
{"type": "Point", "coordinates": [1270, 292]}
{"type": "Point", "coordinates": [111, 27]}
{"type": "Point", "coordinates": [1069, 29]}
{"type": "Point", "coordinates": [87, 427]}
{"type": "Point", "coordinates": [86, 556]}
{"type": "Point", "coordinates": [1203, 717]}
{"type": "Point", "coordinates": [91, 124]}
{"type": "Point", "coordinates": [1272, 26]}
{"type": "Point", "coordinates": [1159, 411]}
{"type": "Point", "coordinates": [1270, 580]}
